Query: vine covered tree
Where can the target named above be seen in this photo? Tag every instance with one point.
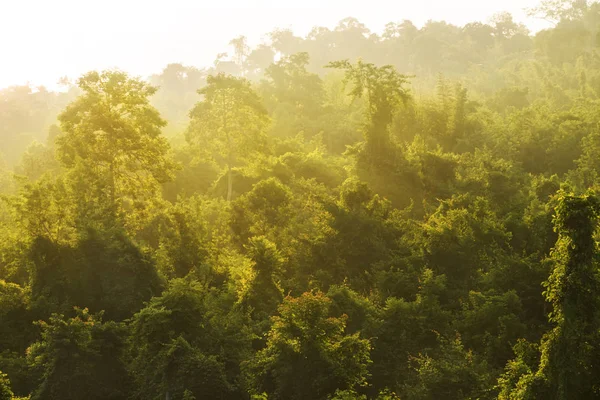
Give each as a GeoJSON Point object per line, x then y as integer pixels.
{"type": "Point", "coordinates": [384, 90]}
{"type": "Point", "coordinates": [569, 352]}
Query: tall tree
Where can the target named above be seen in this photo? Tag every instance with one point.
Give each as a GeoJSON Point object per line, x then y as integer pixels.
{"type": "Point", "coordinates": [230, 122]}
{"type": "Point", "coordinates": [112, 144]}
{"type": "Point", "coordinates": [241, 52]}
{"type": "Point", "coordinates": [383, 88]}
{"type": "Point", "coordinates": [294, 96]}
{"type": "Point", "coordinates": [569, 352]}
{"type": "Point", "coordinates": [263, 295]}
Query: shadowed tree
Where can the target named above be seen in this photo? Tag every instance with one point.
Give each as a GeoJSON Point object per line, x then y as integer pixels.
{"type": "Point", "coordinates": [5, 392]}
{"type": "Point", "coordinates": [80, 357]}
{"type": "Point", "coordinates": [569, 352]}
{"type": "Point", "coordinates": [308, 355]}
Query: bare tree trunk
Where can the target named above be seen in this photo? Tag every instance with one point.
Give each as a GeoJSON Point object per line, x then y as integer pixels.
{"type": "Point", "coordinates": [229, 173]}
{"type": "Point", "coordinates": [229, 183]}
{"type": "Point", "coordinates": [168, 393]}
{"type": "Point", "coordinates": [113, 190]}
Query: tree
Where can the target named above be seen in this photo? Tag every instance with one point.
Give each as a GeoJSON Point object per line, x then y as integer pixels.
{"type": "Point", "coordinates": [572, 289]}
{"type": "Point", "coordinates": [25, 113]}
{"type": "Point", "coordinates": [189, 338]}
{"type": "Point", "coordinates": [260, 59]}
{"type": "Point", "coordinates": [16, 330]}
{"type": "Point", "coordinates": [80, 357]}
{"type": "Point", "coordinates": [6, 177]}
{"type": "Point", "coordinates": [230, 121]}
{"type": "Point", "coordinates": [5, 392]}
{"type": "Point", "coordinates": [505, 27]}
{"type": "Point", "coordinates": [186, 371]}
{"type": "Point", "coordinates": [284, 42]}
{"type": "Point", "coordinates": [294, 96]}
{"type": "Point", "coordinates": [363, 234]}
{"type": "Point", "coordinates": [454, 374]}
{"type": "Point", "coordinates": [405, 30]}
{"type": "Point", "coordinates": [408, 328]}
{"type": "Point", "coordinates": [569, 352]}
{"type": "Point", "coordinates": [16, 334]}
{"type": "Point", "coordinates": [263, 211]}
{"type": "Point", "coordinates": [40, 159]}
{"type": "Point", "coordinates": [241, 51]}
{"type": "Point", "coordinates": [481, 35]}
{"type": "Point", "coordinates": [263, 295]}
{"type": "Point", "coordinates": [177, 93]}
{"type": "Point", "coordinates": [383, 88]}
{"type": "Point", "coordinates": [101, 271]}
{"type": "Point", "coordinates": [452, 241]}
{"type": "Point", "coordinates": [308, 356]}
{"type": "Point", "coordinates": [112, 145]}
{"type": "Point", "coordinates": [44, 210]}
{"type": "Point", "coordinates": [557, 10]}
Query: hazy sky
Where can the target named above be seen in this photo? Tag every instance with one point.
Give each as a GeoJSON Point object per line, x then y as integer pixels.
{"type": "Point", "coordinates": [42, 40]}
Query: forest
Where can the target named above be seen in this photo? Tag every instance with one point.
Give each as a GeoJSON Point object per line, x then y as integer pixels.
{"type": "Point", "coordinates": [342, 216]}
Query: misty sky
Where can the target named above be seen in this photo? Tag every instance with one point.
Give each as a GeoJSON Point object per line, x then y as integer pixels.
{"type": "Point", "coordinates": [42, 40]}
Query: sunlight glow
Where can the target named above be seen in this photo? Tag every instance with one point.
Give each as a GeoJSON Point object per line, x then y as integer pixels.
{"type": "Point", "coordinates": [42, 40]}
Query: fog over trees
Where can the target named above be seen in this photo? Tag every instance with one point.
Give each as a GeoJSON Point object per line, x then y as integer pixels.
{"type": "Point", "coordinates": [343, 215]}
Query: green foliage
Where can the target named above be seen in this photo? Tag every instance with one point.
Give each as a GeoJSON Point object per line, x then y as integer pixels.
{"type": "Point", "coordinates": [177, 86]}
{"type": "Point", "coordinates": [294, 96]}
{"type": "Point", "coordinates": [405, 326]}
{"type": "Point", "coordinates": [229, 122]}
{"type": "Point", "coordinates": [347, 395]}
{"type": "Point", "coordinates": [15, 331]}
{"type": "Point", "coordinates": [112, 145]}
{"type": "Point", "coordinates": [453, 233]}
{"type": "Point", "coordinates": [365, 227]}
{"type": "Point", "coordinates": [263, 295]}
{"type": "Point", "coordinates": [262, 210]}
{"type": "Point", "coordinates": [19, 372]}
{"type": "Point", "coordinates": [5, 392]}
{"type": "Point", "coordinates": [80, 357]}
{"type": "Point", "coordinates": [381, 240]}
{"type": "Point", "coordinates": [183, 334]}
{"type": "Point", "coordinates": [102, 271]}
{"type": "Point", "coordinates": [454, 374]}
{"type": "Point", "coordinates": [491, 324]}
{"type": "Point", "coordinates": [307, 353]}
{"type": "Point", "coordinates": [39, 159]}
{"type": "Point", "coordinates": [182, 237]}
{"type": "Point", "coordinates": [196, 176]}
{"type": "Point", "coordinates": [44, 210]}
{"type": "Point", "coordinates": [384, 91]}
{"type": "Point", "coordinates": [568, 350]}
{"type": "Point", "coordinates": [527, 360]}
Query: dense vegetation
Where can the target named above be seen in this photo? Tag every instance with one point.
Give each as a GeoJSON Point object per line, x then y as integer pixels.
{"type": "Point", "coordinates": [341, 216]}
